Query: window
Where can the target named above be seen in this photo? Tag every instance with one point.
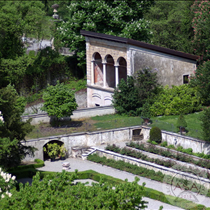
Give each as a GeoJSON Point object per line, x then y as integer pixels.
{"type": "Point", "coordinates": [185, 79]}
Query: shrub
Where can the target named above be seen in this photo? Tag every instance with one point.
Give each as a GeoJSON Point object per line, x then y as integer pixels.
{"type": "Point", "coordinates": [181, 122]}
{"type": "Point", "coordinates": [155, 134]}
{"type": "Point", "coordinates": [205, 124]}
{"type": "Point", "coordinates": [175, 100]}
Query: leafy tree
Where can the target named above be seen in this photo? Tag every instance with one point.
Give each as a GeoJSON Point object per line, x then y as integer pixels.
{"type": "Point", "coordinates": [13, 130]}
{"type": "Point", "coordinates": [171, 24]}
{"type": "Point", "coordinates": [130, 96]}
{"type": "Point", "coordinates": [57, 192]}
{"type": "Point", "coordinates": [200, 23]}
{"type": "Point", "coordinates": [120, 18]}
{"type": "Point", "coordinates": [146, 82]}
{"type": "Point", "coordinates": [205, 124]}
{"type": "Point", "coordinates": [200, 80]}
{"type": "Point", "coordinates": [59, 101]}
{"type": "Point", "coordinates": [125, 97]}
{"type": "Point", "coordinates": [181, 122]}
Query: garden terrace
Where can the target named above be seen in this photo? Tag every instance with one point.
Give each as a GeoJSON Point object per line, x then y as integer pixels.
{"type": "Point", "coordinates": [159, 160]}
{"type": "Point", "coordinates": [149, 170]}
{"type": "Point", "coordinates": [170, 153]}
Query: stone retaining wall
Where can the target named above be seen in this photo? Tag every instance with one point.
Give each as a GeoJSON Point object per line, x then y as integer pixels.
{"type": "Point", "coordinates": [77, 114]}
{"type": "Point", "coordinates": [176, 139]}
{"type": "Point", "coordinates": [153, 166]}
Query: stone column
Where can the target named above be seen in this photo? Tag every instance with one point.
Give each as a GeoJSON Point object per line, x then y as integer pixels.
{"type": "Point", "coordinates": [104, 74]}
{"type": "Point", "coordinates": [116, 75]}
{"type": "Point", "coordinates": [92, 72]}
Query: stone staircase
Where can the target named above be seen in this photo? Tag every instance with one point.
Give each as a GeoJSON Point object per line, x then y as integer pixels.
{"type": "Point", "coordinates": [82, 152]}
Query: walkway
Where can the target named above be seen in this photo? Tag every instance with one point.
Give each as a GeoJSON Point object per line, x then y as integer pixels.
{"type": "Point", "coordinates": [83, 165]}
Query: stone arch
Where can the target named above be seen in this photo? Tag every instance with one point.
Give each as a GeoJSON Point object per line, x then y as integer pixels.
{"type": "Point", "coordinates": [122, 68]}
{"type": "Point", "coordinates": [110, 71]}
{"type": "Point", "coordinates": [45, 156]}
{"type": "Point", "coordinates": [97, 69]}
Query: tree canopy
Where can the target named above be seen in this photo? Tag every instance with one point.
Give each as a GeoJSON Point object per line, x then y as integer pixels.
{"type": "Point", "coordinates": [120, 18]}
{"type": "Point", "coordinates": [13, 130]}
{"type": "Point", "coordinates": [171, 24]}
{"type": "Point", "coordinates": [57, 192]}
{"type": "Point", "coordinates": [59, 101]}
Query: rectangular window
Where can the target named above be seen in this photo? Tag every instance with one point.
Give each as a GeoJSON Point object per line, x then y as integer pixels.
{"type": "Point", "coordinates": [185, 79]}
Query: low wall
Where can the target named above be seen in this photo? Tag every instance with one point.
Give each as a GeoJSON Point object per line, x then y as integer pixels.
{"type": "Point", "coordinates": [85, 139]}
{"type": "Point", "coordinates": [180, 140]}
{"type": "Point", "coordinates": [153, 166]}
{"type": "Point", "coordinates": [77, 114]}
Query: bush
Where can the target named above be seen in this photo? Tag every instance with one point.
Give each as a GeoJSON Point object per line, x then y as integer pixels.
{"type": "Point", "coordinates": [178, 99]}
{"type": "Point", "coordinates": [181, 122]}
{"type": "Point", "coordinates": [205, 124]}
{"type": "Point", "coordinates": [155, 134]}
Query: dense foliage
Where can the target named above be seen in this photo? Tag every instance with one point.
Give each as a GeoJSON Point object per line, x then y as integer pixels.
{"type": "Point", "coordinates": [125, 97]}
{"type": "Point", "coordinates": [59, 101]}
{"type": "Point", "coordinates": [155, 135]}
{"type": "Point", "coordinates": [130, 95]}
{"type": "Point", "coordinates": [13, 130]}
{"type": "Point", "coordinates": [58, 192]}
{"type": "Point", "coordinates": [200, 80]}
{"type": "Point", "coordinates": [120, 18]}
{"type": "Point", "coordinates": [171, 24]}
{"type": "Point", "coordinates": [205, 123]}
{"type": "Point", "coordinates": [7, 182]}
{"type": "Point", "coordinates": [176, 100]}
{"type": "Point", "coordinates": [200, 23]}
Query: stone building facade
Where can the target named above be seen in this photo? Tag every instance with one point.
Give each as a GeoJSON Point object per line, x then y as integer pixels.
{"type": "Point", "coordinates": [110, 58]}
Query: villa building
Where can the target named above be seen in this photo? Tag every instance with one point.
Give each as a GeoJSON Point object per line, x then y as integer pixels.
{"type": "Point", "coordinates": [111, 58]}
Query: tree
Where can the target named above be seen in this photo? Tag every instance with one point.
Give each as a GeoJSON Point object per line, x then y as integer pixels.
{"type": "Point", "coordinates": [200, 23]}
{"type": "Point", "coordinates": [200, 80]}
{"type": "Point", "coordinates": [205, 124]}
{"type": "Point", "coordinates": [57, 192]}
{"type": "Point", "coordinates": [13, 130]}
{"type": "Point", "coordinates": [59, 101]}
{"type": "Point", "coordinates": [171, 24]}
{"type": "Point", "coordinates": [146, 82]}
{"type": "Point", "coordinates": [181, 122]}
{"type": "Point", "coordinates": [125, 97]}
{"type": "Point", "coordinates": [130, 96]}
{"type": "Point", "coordinates": [120, 18]}
{"type": "Point", "coordinates": [17, 18]}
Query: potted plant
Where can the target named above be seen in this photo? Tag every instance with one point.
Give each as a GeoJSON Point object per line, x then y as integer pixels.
{"type": "Point", "coordinates": [145, 114]}
{"type": "Point", "coordinates": [52, 150]}
{"type": "Point", "coordinates": [181, 124]}
{"type": "Point", "coordinates": [62, 152]}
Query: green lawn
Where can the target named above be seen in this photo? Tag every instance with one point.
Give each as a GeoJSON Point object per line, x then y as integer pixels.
{"type": "Point", "coordinates": [105, 122]}
{"type": "Point", "coordinates": [167, 123]}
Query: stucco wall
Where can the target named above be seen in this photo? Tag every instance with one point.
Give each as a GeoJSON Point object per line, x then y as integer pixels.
{"type": "Point", "coordinates": [170, 69]}
{"type": "Point", "coordinates": [181, 140]}
{"type": "Point", "coordinates": [98, 95]}
{"type": "Point", "coordinates": [82, 139]}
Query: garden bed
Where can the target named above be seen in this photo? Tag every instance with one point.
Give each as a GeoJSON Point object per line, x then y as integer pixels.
{"type": "Point", "coordinates": [170, 153]}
